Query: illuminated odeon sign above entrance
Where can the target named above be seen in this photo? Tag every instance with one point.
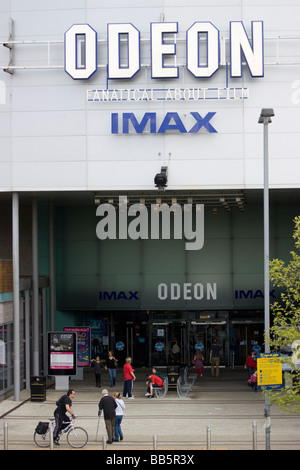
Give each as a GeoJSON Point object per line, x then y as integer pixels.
{"type": "Point", "coordinates": [124, 50]}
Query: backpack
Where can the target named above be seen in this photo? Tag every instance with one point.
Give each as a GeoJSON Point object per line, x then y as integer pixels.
{"type": "Point", "coordinates": [60, 401]}
{"type": "Point", "coordinates": [42, 427]}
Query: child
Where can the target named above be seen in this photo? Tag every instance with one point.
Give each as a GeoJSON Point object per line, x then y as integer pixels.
{"type": "Point", "coordinates": [253, 381]}
{"type": "Point", "coordinates": [128, 378]}
{"type": "Point", "coordinates": [198, 361]}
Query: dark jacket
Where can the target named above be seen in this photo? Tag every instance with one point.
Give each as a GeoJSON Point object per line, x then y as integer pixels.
{"type": "Point", "coordinates": [108, 405]}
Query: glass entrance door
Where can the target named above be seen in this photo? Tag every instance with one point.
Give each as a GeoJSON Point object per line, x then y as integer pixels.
{"type": "Point", "coordinates": [168, 343]}
{"type": "Point", "coordinates": [130, 340]}
{"type": "Point", "coordinates": [244, 336]}
{"type": "Point", "coordinates": [202, 335]}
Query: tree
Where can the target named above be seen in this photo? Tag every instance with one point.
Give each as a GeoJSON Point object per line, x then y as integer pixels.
{"type": "Point", "coordinates": [285, 329]}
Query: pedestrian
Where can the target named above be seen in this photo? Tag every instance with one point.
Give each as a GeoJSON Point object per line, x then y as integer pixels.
{"type": "Point", "coordinates": [129, 377]}
{"type": "Point", "coordinates": [253, 381]}
{"type": "Point", "coordinates": [175, 351]}
{"type": "Point", "coordinates": [64, 405]}
{"type": "Point", "coordinates": [108, 405]}
{"type": "Point", "coordinates": [119, 416]}
{"type": "Point", "coordinates": [250, 364]}
{"type": "Point", "coordinates": [110, 366]}
{"type": "Point", "coordinates": [198, 361]}
{"type": "Point", "coordinates": [153, 382]}
{"type": "Point", "coordinates": [158, 374]}
{"type": "Point", "coordinates": [214, 357]}
{"type": "Point", "coordinates": [98, 366]}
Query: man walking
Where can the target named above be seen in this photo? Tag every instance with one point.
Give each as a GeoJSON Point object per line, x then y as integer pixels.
{"type": "Point", "coordinates": [108, 405]}
{"type": "Point", "coordinates": [214, 357]}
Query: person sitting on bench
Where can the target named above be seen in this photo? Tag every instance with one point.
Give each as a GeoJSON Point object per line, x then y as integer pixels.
{"type": "Point", "coordinates": [153, 382]}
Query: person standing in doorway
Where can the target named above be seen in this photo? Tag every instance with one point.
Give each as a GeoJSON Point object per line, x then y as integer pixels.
{"type": "Point", "coordinates": [175, 351]}
{"type": "Point", "coordinates": [108, 405]}
{"type": "Point", "coordinates": [129, 377]}
{"type": "Point", "coordinates": [214, 357]}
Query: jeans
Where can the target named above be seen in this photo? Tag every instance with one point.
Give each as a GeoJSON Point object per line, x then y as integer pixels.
{"type": "Point", "coordinates": [112, 373]}
{"type": "Point", "coordinates": [118, 430]}
{"type": "Point", "coordinates": [127, 388]}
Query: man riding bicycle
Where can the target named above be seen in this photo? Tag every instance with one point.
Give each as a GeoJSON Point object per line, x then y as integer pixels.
{"type": "Point", "coordinates": [64, 405]}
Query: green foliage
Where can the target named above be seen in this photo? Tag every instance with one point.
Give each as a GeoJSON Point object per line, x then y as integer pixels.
{"type": "Point", "coordinates": [286, 321]}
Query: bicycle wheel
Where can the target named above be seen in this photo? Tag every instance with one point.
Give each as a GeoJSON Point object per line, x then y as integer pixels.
{"type": "Point", "coordinates": [42, 440]}
{"type": "Point", "coordinates": [77, 437]}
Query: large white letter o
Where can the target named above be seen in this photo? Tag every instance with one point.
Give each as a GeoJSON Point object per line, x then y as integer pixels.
{"type": "Point", "coordinates": [80, 51]}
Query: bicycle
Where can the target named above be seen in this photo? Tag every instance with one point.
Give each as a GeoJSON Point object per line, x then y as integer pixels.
{"type": "Point", "coordinates": [77, 437]}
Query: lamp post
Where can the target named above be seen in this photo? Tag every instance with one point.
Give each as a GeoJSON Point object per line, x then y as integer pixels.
{"type": "Point", "coordinates": [265, 119]}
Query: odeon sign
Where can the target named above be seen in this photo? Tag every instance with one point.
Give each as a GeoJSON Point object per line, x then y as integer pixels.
{"type": "Point", "coordinates": [124, 61]}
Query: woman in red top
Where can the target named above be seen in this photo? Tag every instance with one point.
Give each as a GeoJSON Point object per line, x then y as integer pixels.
{"type": "Point", "coordinates": [128, 378]}
{"type": "Point", "coordinates": [251, 364]}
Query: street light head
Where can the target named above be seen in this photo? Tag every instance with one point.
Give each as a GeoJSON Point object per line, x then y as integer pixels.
{"type": "Point", "coordinates": [267, 112]}
{"type": "Point", "coordinates": [265, 116]}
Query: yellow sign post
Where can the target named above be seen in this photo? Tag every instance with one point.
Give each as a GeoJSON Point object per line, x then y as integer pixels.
{"type": "Point", "coordinates": [269, 371]}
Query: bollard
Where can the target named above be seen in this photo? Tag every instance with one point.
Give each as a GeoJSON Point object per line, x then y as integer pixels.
{"type": "Point", "coordinates": [51, 437]}
{"type": "Point", "coordinates": [208, 438]}
{"type": "Point", "coordinates": [254, 435]}
{"type": "Point", "coordinates": [154, 442]}
{"type": "Point", "coordinates": [5, 432]}
{"type": "Point", "coordinates": [103, 443]}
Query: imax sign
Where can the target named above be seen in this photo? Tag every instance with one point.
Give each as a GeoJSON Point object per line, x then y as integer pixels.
{"type": "Point", "coordinates": [124, 50]}
{"type": "Point", "coordinates": [170, 122]}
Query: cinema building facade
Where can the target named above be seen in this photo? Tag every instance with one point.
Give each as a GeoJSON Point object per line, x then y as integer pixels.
{"type": "Point", "coordinates": [132, 175]}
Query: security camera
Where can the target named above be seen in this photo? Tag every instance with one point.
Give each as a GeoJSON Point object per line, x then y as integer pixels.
{"type": "Point", "coordinates": [161, 179]}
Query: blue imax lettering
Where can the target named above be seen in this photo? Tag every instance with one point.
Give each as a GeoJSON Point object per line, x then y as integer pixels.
{"type": "Point", "coordinates": [134, 221]}
{"type": "Point", "coordinates": [171, 122]}
{"type": "Point", "coordinates": [120, 295]}
{"type": "Point", "coordinates": [123, 45]}
{"type": "Point", "coordinates": [252, 294]}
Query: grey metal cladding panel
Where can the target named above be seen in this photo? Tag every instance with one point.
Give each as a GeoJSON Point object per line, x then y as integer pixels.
{"type": "Point", "coordinates": [49, 175]}
{"type": "Point", "coordinates": [46, 123]}
{"type": "Point", "coordinates": [47, 98]}
{"type": "Point", "coordinates": [45, 5]}
{"type": "Point", "coordinates": [42, 148]}
{"type": "Point", "coordinates": [47, 24]}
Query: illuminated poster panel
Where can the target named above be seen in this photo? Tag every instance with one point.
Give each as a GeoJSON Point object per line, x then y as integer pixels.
{"type": "Point", "coordinates": [62, 353]}
{"type": "Point", "coordinates": [83, 344]}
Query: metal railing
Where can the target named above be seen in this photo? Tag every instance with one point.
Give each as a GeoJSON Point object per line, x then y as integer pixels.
{"type": "Point", "coordinates": [154, 439]}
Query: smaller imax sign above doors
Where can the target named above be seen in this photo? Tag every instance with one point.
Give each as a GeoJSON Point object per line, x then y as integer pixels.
{"type": "Point", "coordinates": [205, 50]}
